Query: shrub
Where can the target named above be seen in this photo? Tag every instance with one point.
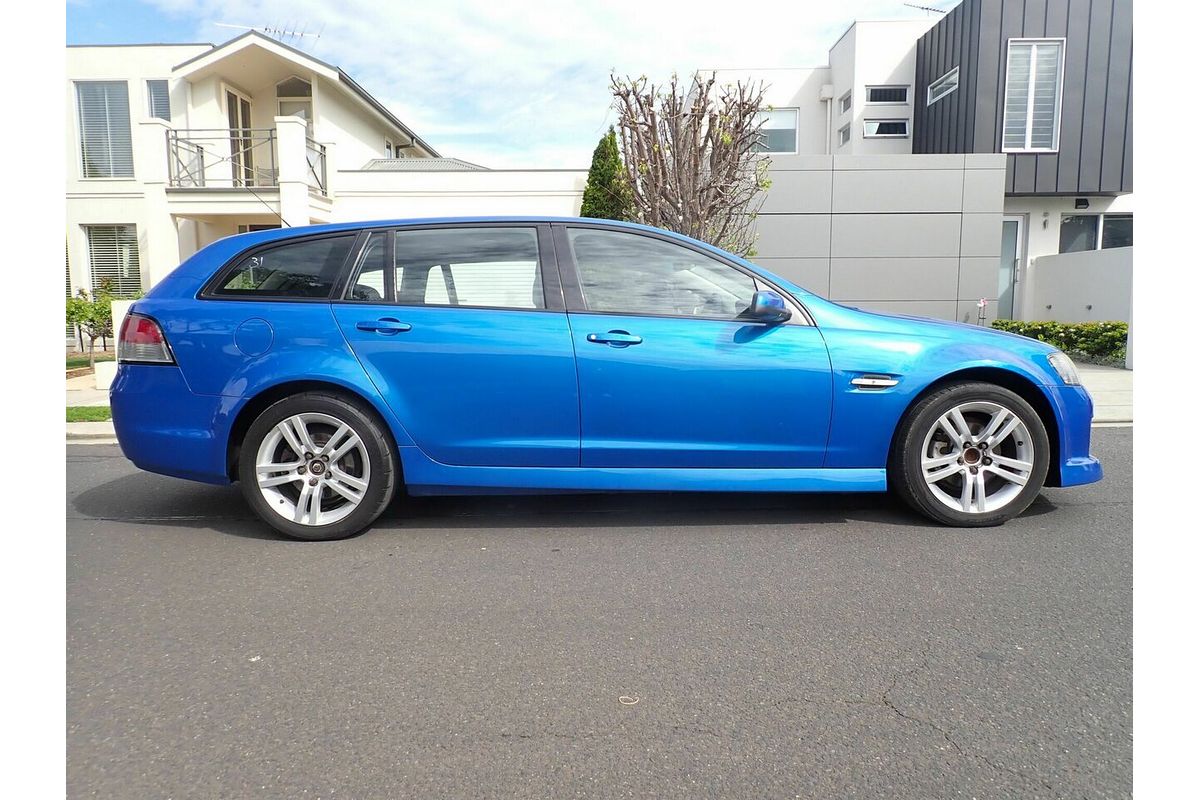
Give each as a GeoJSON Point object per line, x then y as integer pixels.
{"type": "Point", "coordinates": [1092, 341]}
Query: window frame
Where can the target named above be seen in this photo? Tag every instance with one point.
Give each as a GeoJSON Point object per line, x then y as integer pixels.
{"type": "Point", "coordinates": [573, 292]}
{"type": "Point", "coordinates": [795, 111]}
{"type": "Point", "coordinates": [846, 103]}
{"type": "Point", "coordinates": [150, 99]}
{"type": "Point", "coordinates": [907, 128]}
{"type": "Point", "coordinates": [844, 130]}
{"type": "Point", "coordinates": [81, 163]}
{"type": "Point", "coordinates": [210, 288]}
{"type": "Point", "coordinates": [93, 283]}
{"type": "Point", "coordinates": [1100, 216]}
{"type": "Point", "coordinates": [1061, 41]}
{"type": "Point", "coordinates": [905, 102]}
{"type": "Point", "coordinates": [551, 286]}
{"type": "Point", "coordinates": [929, 90]}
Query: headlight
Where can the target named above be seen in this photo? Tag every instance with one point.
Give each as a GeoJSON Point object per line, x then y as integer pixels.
{"type": "Point", "coordinates": [1065, 368]}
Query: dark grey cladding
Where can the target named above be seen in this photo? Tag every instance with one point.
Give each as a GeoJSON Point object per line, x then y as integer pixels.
{"type": "Point", "coordinates": [1095, 146]}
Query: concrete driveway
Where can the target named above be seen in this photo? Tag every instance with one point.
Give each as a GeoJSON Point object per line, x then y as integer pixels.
{"type": "Point", "coordinates": [607, 646]}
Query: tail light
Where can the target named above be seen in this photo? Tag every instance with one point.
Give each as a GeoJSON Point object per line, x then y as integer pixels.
{"type": "Point", "coordinates": [142, 342]}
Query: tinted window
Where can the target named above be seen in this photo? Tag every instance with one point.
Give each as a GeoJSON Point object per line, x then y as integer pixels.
{"type": "Point", "coordinates": [297, 269]}
{"type": "Point", "coordinates": [1077, 232]}
{"type": "Point", "coordinates": [631, 274]}
{"type": "Point", "coordinates": [492, 267]}
{"type": "Point", "coordinates": [1118, 230]}
{"type": "Point", "coordinates": [369, 285]}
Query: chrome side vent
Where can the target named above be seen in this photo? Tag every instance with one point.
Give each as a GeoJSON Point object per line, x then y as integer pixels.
{"type": "Point", "coordinates": [874, 381]}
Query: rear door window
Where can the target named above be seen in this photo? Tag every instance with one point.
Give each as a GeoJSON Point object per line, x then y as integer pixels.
{"type": "Point", "coordinates": [491, 267]}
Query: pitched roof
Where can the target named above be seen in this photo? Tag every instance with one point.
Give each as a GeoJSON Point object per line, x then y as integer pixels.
{"type": "Point", "coordinates": [330, 71]}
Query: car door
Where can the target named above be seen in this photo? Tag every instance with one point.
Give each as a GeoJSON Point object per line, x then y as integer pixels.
{"type": "Point", "coordinates": [669, 376]}
{"type": "Point", "coordinates": [466, 342]}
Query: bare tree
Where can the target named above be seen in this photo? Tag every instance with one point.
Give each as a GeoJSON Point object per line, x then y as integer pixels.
{"type": "Point", "coordinates": [690, 156]}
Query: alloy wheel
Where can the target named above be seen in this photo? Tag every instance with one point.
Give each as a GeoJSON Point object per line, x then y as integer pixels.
{"type": "Point", "coordinates": [313, 469]}
{"type": "Point", "coordinates": [977, 457]}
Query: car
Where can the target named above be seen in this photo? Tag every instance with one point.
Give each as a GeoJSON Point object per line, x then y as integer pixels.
{"type": "Point", "coordinates": [327, 368]}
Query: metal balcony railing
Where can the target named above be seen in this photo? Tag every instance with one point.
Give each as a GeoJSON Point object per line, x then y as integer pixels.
{"type": "Point", "coordinates": [224, 158]}
{"type": "Point", "coordinates": [315, 153]}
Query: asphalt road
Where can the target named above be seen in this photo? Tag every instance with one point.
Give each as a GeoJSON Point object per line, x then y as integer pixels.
{"type": "Point", "coordinates": [596, 646]}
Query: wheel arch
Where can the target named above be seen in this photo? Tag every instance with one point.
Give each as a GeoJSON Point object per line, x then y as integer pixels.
{"type": "Point", "coordinates": [1016, 383]}
{"type": "Point", "coordinates": [259, 402]}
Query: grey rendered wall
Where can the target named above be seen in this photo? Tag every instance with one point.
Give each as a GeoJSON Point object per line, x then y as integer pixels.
{"type": "Point", "coordinates": [1095, 153]}
{"type": "Point", "coordinates": [903, 234]}
{"type": "Point", "coordinates": [1091, 286]}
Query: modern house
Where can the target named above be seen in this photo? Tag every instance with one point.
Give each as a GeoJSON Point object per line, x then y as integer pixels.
{"type": "Point", "coordinates": [170, 147]}
{"type": "Point", "coordinates": [987, 153]}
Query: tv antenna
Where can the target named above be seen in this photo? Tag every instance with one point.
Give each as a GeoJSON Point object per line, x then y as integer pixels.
{"type": "Point", "coordinates": [927, 8]}
{"type": "Point", "coordinates": [280, 32]}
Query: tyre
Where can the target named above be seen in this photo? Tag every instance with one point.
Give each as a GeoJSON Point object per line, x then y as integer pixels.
{"type": "Point", "coordinates": [316, 466]}
{"type": "Point", "coordinates": [970, 455]}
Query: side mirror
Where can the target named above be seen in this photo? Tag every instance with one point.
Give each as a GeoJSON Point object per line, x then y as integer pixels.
{"type": "Point", "coordinates": [768, 306]}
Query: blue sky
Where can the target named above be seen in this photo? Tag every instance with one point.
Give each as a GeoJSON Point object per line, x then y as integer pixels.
{"type": "Point", "coordinates": [503, 84]}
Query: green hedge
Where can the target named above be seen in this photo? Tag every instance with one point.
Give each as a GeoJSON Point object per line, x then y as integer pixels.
{"type": "Point", "coordinates": [1102, 341]}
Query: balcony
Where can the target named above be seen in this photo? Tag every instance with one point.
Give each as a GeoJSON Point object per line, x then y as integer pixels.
{"type": "Point", "coordinates": [237, 159]}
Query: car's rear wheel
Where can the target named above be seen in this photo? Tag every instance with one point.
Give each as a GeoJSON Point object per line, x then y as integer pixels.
{"type": "Point", "coordinates": [317, 466]}
{"type": "Point", "coordinates": [970, 455]}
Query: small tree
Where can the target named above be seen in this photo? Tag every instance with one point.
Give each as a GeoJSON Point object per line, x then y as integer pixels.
{"type": "Point", "coordinates": [607, 195]}
{"type": "Point", "coordinates": [92, 315]}
{"type": "Point", "coordinates": [691, 156]}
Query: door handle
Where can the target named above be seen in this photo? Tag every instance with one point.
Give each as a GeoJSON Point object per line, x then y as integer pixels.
{"type": "Point", "coordinates": [614, 338]}
{"type": "Point", "coordinates": [386, 326]}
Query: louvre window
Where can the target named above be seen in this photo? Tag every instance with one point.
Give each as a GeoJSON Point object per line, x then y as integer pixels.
{"type": "Point", "coordinates": [113, 258]}
{"type": "Point", "coordinates": [1032, 100]}
{"type": "Point", "coordinates": [160, 99]}
{"type": "Point", "coordinates": [887, 94]}
{"type": "Point", "coordinates": [106, 145]}
{"type": "Point", "coordinates": [843, 136]}
{"type": "Point", "coordinates": [845, 103]}
{"type": "Point", "coordinates": [943, 86]}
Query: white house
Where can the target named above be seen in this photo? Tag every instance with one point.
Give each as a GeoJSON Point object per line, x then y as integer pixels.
{"type": "Point", "coordinates": [1047, 93]}
{"type": "Point", "coordinates": [171, 147]}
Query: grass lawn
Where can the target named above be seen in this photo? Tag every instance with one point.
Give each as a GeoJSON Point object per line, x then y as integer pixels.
{"type": "Point", "coordinates": [77, 360]}
{"type": "Point", "coordinates": [88, 413]}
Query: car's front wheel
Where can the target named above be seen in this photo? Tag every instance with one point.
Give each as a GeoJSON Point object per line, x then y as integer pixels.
{"type": "Point", "coordinates": [317, 466]}
{"type": "Point", "coordinates": [970, 455]}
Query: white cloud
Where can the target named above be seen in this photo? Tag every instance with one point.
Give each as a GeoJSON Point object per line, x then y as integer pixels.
{"type": "Point", "coordinates": [525, 84]}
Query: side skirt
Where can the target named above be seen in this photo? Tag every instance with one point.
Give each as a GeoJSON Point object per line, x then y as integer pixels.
{"type": "Point", "coordinates": [423, 476]}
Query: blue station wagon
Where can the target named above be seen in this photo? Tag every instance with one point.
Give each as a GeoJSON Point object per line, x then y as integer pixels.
{"type": "Point", "coordinates": [326, 368]}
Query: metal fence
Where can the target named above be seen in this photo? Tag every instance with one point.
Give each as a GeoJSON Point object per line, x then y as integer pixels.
{"type": "Point", "coordinates": [223, 158]}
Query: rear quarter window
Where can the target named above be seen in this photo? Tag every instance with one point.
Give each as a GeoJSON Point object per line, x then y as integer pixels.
{"type": "Point", "coordinates": [305, 269]}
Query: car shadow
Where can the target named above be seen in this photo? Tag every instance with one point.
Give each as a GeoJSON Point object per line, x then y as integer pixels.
{"type": "Point", "coordinates": [146, 499]}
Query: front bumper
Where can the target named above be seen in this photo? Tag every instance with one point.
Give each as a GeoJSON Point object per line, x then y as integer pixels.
{"type": "Point", "coordinates": [1073, 410]}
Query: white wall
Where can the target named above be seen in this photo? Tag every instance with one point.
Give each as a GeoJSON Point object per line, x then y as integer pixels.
{"type": "Point", "coordinates": [124, 201]}
{"type": "Point", "coordinates": [798, 88]}
{"type": "Point", "coordinates": [1041, 218]}
{"type": "Point", "coordinates": [367, 195]}
{"type": "Point", "coordinates": [1089, 286]}
{"type": "Point", "coordinates": [876, 53]}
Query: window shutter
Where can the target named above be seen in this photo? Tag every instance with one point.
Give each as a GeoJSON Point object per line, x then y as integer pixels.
{"type": "Point", "coordinates": [1016, 100]}
{"type": "Point", "coordinates": [113, 257]}
{"type": "Point", "coordinates": [1045, 96]}
{"type": "Point", "coordinates": [160, 99]}
{"type": "Point", "coordinates": [106, 144]}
